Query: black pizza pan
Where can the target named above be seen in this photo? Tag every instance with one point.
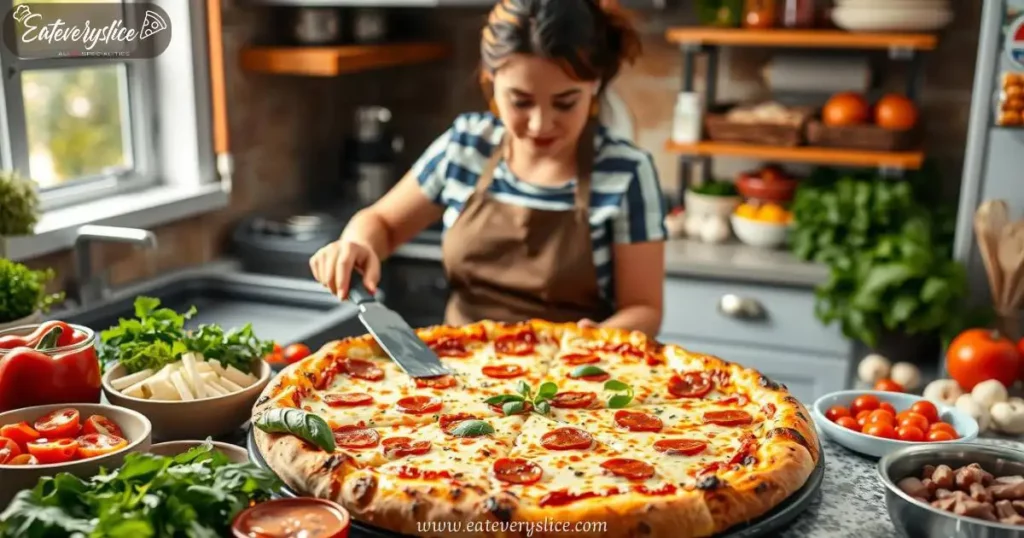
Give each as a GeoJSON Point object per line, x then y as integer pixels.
{"type": "Point", "coordinates": [766, 525]}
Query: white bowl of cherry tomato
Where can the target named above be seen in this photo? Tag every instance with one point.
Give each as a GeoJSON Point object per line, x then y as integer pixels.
{"type": "Point", "coordinates": [875, 422]}
{"type": "Point", "coordinates": [66, 438]}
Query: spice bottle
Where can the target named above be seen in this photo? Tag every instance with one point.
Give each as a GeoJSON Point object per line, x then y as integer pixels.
{"type": "Point", "coordinates": [759, 14]}
{"type": "Point", "coordinates": [687, 119]}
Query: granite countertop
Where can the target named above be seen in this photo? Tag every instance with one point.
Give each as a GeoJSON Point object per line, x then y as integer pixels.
{"type": "Point", "coordinates": [851, 502]}
{"type": "Point", "coordinates": [688, 258]}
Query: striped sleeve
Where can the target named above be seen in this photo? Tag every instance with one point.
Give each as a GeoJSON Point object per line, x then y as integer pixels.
{"type": "Point", "coordinates": [432, 166]}
{"type": "Point", "coordinates": [642, 214]}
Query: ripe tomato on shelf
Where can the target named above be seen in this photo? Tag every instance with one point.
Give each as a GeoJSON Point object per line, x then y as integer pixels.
{"type": "Point", "coordinates": [896, 113]}
{"type": "Point", "coordinates": [978, 355]}
{"type": "Point", "coordinates": [844, 109]}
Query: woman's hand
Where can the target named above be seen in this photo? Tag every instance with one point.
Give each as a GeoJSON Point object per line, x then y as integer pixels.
{"type": "Point", "coordinates": [332, 266]}
{"type": "Point", "coordinates": [588, 323]}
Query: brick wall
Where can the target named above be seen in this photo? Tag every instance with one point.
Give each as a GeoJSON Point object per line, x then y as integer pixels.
{"type": "Point", "coordinates": [286, 131]}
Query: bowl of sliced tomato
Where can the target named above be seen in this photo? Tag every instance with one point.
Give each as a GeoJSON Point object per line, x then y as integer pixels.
{"type": "Point", "coordinates": [875, 423]}
{"type": "Point", "coordinates": [66, 438]}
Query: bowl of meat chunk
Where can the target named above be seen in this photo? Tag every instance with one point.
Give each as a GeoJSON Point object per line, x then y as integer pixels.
{"type": "Point", "coordinates": [963, 490]}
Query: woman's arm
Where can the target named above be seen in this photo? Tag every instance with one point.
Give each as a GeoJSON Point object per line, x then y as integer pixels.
{"type": "Point", "coordinates": [394, 219]}
{"type": "Point", "coordinates": [639, 270]}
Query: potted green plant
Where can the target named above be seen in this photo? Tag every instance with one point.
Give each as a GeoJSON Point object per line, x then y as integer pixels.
{"type": "Point", "coordinates": [888, 245]}
{"type": "Point", "coordinates": [23, 295]}
{"type": "Point", "coordinates": [20, 202]}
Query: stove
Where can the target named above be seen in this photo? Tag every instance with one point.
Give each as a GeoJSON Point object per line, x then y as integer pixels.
{"type": "Point", "coordinates": [281, 244]}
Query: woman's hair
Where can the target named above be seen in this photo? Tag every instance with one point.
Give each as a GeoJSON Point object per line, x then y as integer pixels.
{"type": "Point", "coordinates": [590, 38]}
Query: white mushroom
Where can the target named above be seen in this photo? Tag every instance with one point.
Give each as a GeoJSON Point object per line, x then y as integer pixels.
{"type": "Point", "coordinates": [873, 368]}
{"type": "Point", "coordinates": [1008, 416]}
{"type": "Point", "coordinates": [907, 375]}
{"type": "Point", "coordinates": [693, 222]}
{"type": "Point", "coordinates": [989, 393]}
{"type": "Point", "coordinates": [968, 405]}
{"type": "Point", "coordinates": [944, 391]}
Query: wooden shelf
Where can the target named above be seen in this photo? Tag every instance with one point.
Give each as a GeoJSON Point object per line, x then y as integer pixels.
{"type": "Point", "coordinates": [334, 61]}
{"type": "Point", "coordinates": [835, 39]}
{"type": "Point", "coordinates": [906, 160]}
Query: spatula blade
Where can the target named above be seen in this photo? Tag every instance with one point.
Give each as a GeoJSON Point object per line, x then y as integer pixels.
{"type": "Point", "coordinates": [400, 342]}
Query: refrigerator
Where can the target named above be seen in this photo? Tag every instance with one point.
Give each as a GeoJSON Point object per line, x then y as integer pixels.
{"type": "Point", "coordinates": [994, 161]}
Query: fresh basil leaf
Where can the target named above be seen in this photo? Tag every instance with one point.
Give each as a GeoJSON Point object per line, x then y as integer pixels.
{"type": "Point", "coordinates": [302, 424]}
{"type": "Point", "coordinates": [547, 390]}
{"type": "Point", "coordinates": [523, 388]}
{"type": "Point", "coordinates": [616, 385]}
{"type": "Point", "coordinates": [511, 408]}
{"type": "Point", "coordinates": [586, 370]}
{"type": "Point", "coordinates": [503, 398]}
{"type": "Point", "coordinates": [472, 428]}
{"type": "Point", "coordinates": [619, 401]}
{"type": "Point", "coordinates": [544, 407]}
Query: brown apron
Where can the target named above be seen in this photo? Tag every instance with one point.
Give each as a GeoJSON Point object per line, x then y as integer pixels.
{"type": "Point", "coordinates": [510, 263]}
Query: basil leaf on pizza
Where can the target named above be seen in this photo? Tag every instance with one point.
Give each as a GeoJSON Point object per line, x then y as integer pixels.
{"type": "Point", "coordinates": [544, 407]}
{"type": "Point", "coordinates": [502, 399]}
{"type": "Point", "coordinates": [547, 390]}
{"type": "Point", "coordinates": [618, 401]}
{"type": "Point", "coordinates": [587, 370]}
{"type": "Point", "coordinates": [472, 428]}
{"type": "Point", "coordinates": [523, 388]}
{"type": "Point", "coordinates": [302, 424]}
{"type": "Point", "coordinates": [511, 408]}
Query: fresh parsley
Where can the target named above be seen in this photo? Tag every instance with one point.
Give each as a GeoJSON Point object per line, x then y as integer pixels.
{"type": "Point", "coordinates": [195, 494]}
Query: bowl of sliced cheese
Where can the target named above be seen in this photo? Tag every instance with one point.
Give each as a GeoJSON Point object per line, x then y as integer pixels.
{"type": "Point", "coordinates": [192, 398]}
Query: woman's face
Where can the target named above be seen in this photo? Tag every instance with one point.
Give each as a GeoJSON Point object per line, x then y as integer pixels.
{"type": "Point", "coordinates": [543, 106]}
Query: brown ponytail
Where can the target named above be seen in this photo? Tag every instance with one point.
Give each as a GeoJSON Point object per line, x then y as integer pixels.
{"type": "Point", "coordinates": [590, 38]}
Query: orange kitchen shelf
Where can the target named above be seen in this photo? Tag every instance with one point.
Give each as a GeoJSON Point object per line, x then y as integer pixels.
{"type": "Point", "coordinates": [804, 154]}
{"type": "Point", "coordinates": [836, 39]}
{"type": "Point", "coordinates": [333, 61]}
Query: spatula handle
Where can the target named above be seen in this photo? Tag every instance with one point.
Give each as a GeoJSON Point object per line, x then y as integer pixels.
{"type": "Point", "coordinates": [357, 292]}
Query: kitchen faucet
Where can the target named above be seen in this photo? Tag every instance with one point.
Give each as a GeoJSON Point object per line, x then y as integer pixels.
{"type": "Point", "coordinates": [92, 288]}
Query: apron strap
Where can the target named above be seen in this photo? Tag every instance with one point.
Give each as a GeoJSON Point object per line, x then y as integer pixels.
{"type": "Point", "coordinates": [487, 174]}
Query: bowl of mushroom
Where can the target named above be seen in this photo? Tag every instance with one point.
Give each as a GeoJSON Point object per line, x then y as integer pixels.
{"type": "Point", "coordinates": [955, 490]}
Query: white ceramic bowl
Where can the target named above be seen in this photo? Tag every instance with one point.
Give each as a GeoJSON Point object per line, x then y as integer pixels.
{"type": "Point", "coordinates": [234, 453]}
{"type": "Point", "coordinates": [963, 423]}
{"type": "Point", "coordinates": [195, 419]}
{"type": "Point", "coordinates": [891, 19]}
{"type": "Point", "coordinates": [901, 4]}
{"type": "Point", "coordinates": [137, 431]}
{"type": "Point", "coordinates": [704, 204]}
{"type": "Point", "coordinates": [758, 233]}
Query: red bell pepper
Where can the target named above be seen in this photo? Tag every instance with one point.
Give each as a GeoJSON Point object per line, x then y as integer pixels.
{"type": "Point", "coordinates": [67, 336]}
{"type": "Point", "coordinates": [48, 373]}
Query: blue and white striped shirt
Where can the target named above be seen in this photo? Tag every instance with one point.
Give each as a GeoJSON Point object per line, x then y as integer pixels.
{"type": "Point", "coordinates": [626, 204]}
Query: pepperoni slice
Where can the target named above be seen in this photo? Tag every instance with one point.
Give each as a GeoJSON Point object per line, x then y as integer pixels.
{"type": "Point", "coordinates": [503, 371]}
{"type": "Point", "coordinates": [728, 418]}
{"type": "Point", "coordinates": [419, 405]}
{"type": "Point", "coordinates": [573, 400]}
{"type": "Point", "coordinates": [449, 422]}
{"type": "Point", "coordinates": [348, 399]}
{"type": "Point", "coordinates": [629, 468]}
{"type": "Point", "coordinates": [689, 385]}
{"type": "Point", "coordinates": [356, 437]}
{"type": "Point", "coordinates": [439, 382]}
{"type": "Point", "coordinates": [580, 358]}
{"type": "Point", "coordinates": [520, 343]}
{"type": "Point", "coordinates": [517, 471]}
{"type": "Point", "coordinates": [363, 370]}
{"type": "Point", "coordinates": [596, 378]}
{"type": "Point", "coordinates": [527, 407]}
{"type": "Point", "coordinates": [637, 422]}
{"type": "Point", "coordinates": [449, 347]}
{"type": "Point", "coordinates": [680, 447]}
{"type": "Point", "coordinates": [566, 439]}
{"type": "Point", "coordinates": [399, 447]}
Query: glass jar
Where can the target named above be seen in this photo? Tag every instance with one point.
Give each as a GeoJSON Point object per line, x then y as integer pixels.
{"type": "Point", "coordinates": [68, 373]}
{"type": "Point", "coordinates": [688, 119]}
{"type": "Point", "coordinates": [798, 14]}
{"type": "Point", "coordinates": [759, 14]}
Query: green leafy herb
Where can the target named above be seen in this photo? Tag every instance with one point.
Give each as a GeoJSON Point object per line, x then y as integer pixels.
{"type": "Point", "coordinates": [547, 390]}
{"type": "Point", "coordinates": [586, 370]}
{"type": "Point", "coordinates": [23, 290]}
{"type": "Point", "coordinates": [618, 401]}
{"type": "Point", "coordinates": [474, 428]}
{"type": "Point", "coordinates": [716, 188]}
{"type": "Point", "coordinates": [194, 494]}
{"type": "Point", "coordinates": [302, 424]}
{"type": "Point", "coordinates": [20, 205]}
{"type": "Point", "coordinates": [238, 347]}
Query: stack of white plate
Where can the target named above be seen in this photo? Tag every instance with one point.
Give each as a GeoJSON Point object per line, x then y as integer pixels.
{"type": "Point", "coordinates": [892, 15]}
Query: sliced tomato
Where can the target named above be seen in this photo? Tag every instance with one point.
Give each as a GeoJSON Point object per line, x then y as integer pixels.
{"type": "Point", "coordinates": [629, 468]}
{"type": "Point", "coordinates": [356, 437]}
{"type": "Point", "coordinates": [439, 382]}
{"type": "Point", "coordinates": [517, 471]}
{"type": "Point", "coordinates": [399, 447]}
{"type": "Point", "coordinates": [20, 433]}
{"type": "Point", "coordinates": [8, 450]}
{"type": "Point", "coordinates": [348, 399]}
{"type": "Point", "coordinates": [53, 451]}
{"type": "Point", "coordinates": [690, 385]}
{"type": "Point", "coordinates": [573, 400]}
{"type": "Point", "coordinates": [503, 371]}
{"type": "Point", "coordinates": [22, 459]}
{"type": "Point", "coordinates": [59, 424]}
{"type": "Point", "coordinates": [92, 445]}
{"type": "Point", "coordinates": [566, 439]}
{"type": "Point", "coordinates": [101, 424]}
{"type": "Point", "coordinates": [680, 447]}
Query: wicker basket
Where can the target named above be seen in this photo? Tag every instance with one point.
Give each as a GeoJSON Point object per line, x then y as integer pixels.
{"type": "Point", "coordinates": [720, 129]}
{"type": "Point", "coordinates": [867, 137]}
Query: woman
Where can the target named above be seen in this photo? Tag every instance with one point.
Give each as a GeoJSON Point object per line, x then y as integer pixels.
{"type": "Point", "coordinates": [546, 215]}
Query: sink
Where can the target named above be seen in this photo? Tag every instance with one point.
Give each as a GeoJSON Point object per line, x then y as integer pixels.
{"type": "Point", "coordinates": [285, 310]}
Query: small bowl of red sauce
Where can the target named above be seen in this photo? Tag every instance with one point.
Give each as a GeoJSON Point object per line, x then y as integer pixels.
{"type": "Point", "coordinates": [304, 517]}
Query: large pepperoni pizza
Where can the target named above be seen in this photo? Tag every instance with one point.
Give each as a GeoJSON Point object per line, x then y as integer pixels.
{"type": "Point", "coordinates": [543, 422]}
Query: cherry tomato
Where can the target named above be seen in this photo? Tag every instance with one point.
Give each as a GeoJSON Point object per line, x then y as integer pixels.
{"type": "Point", "coordinates": [912, 434]}
{"type": "Point", "coordinates": [881, 416]}
{"type": "Point", "coordinates": [98, 444]}
{"type": "Point", "coordinates": [881, 429]}
{"type": "Point", "coordinates": [915, 420]}
{"type": "Point", "coordinates": [295, 353]}
{"type": "Point", "coordinates": [20, 433]}
{"type": "Point", "coordinates": [888, 407]}
{"type": "Point", "coordinates": [55, 451]}
{"type": "Point", "coordinates": [926, 409]}
{"type": "Point", "coordinates": [940, 435]}
{"type": "Point", "coordinates": [862, 418]}
{"type": "Point", "coordinates": [275, 358]}
{"type": "Point", "coordinates": [8, 450]}
{"type": "Point", "coordinates": [59, 424]}
{"type": "Point", "coordinates": [849, 423]}
{"type": "Point", "coordinates": [888, 385]}
{"type": "Point", "coordinates": [101, 424]}
{"type": "Point", "coordinates": [277, 349]}
{"type": "Point", "coordinates": [865, 402]}
{"type": "Point", "coordinates": [836, 412]}
{"type": "Point", "coordinates": [902, 415]}
{"type": "Point", "coordinates": [943, 427]}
